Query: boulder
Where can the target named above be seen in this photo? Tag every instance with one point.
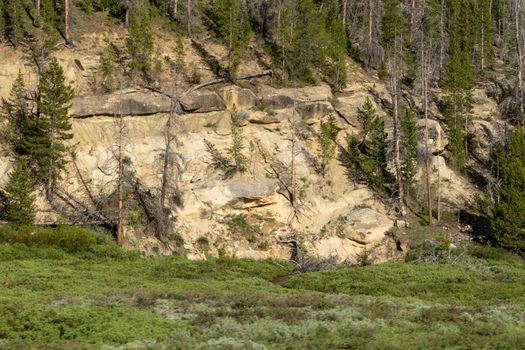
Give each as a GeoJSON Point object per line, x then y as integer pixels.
{"type": "Point", "coordinates": [284, 98]}
{"type": "Point", "coordinates": [437, 140]}
{"type": "Point", "coordinates": [128, 103]}
{"type": "Point", "coordinates": [365, 226]}
{"type": "Point", "coordinates": [251, 193]}
{"type": "Point", "coordinates": [202, 101]}
{"type": "Point", "coordinates": [265, 118]}
{"type": "Point", "coordinates": [242, 99]}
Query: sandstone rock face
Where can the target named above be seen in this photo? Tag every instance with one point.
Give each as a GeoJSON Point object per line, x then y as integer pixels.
{"type": "Point", "coordinates": [202, 101]}
{"type": "Point", "coordinates": [129, 103]}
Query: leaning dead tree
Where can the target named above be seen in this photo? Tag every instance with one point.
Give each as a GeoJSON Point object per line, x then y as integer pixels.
{"type": "Point", "coordinates": [207, 84]}
{"type": "Point", "coordinates": [172, 168]}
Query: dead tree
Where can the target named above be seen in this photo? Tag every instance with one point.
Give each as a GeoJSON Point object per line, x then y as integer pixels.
{"type": "Point", "coordinates": [67, 21]}
{"type": "Point", "coordinates": [394, 91]}
{"type": "Point", "coordinates": [189, 19]}
{"type": "Point", "coordinates": [519, 55]}
{"type": "Point", "coordinates": [425, 73]}
{"type": "Point", "coordinates": [127, 14]}
{"type": "Point", "coordinates": [121, 129]}
{"type": "Point", "coordinates": [171, 170]}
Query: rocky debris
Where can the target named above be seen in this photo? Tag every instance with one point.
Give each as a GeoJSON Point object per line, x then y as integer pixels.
{"type": "Point", "coordinates": [365, 226]}
{"type": "Point", "coordinates": [127, 103]}
{"type": "Point", "coordinates": [285, 98]}
{"type": "Point", "coordinates": [437, 140]}
{"type": "Point", "coordinates": [242, 99]}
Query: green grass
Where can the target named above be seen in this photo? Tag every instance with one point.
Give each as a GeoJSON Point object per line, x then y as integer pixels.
{"type": "Point", "coordinates": [102, 298]}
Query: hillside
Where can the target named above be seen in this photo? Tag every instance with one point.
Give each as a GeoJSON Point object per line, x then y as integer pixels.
{"type": "Point", "coordinates": [292, 189]}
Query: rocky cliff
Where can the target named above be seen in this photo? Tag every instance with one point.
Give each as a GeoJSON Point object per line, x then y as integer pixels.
{"type": "Point", "coordinates": [335, 216]}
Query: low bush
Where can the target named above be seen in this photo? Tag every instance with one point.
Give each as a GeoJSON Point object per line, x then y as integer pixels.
{"type": "Point", "coordinates": [66, 238]}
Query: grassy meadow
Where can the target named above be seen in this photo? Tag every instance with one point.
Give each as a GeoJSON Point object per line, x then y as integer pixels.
{"type": "Point", "coordinates": [94, 296]}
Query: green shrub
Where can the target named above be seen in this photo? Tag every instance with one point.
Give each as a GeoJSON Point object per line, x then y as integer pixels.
{"type": "Point", "coordinates": [488, 252]}
{"type": "Point", "coordinates": [71, 239]}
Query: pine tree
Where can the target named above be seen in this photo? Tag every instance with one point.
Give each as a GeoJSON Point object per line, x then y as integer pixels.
{"type": "Point", "coordinates": [235, 150]}
{"type": "Point", "coordinates": [16, 110]}
{"type": "Point", "coordinates": [229, 19]}
{"type": "Point", "coordinates": [393, 25]}
{"type": "Point", "coordinates": [327, 137]}
{"type": "Point", "coordinates": [53, 101]}
{"type": "Point", "coordinates": [299, 37]}
{"type": "Point", "coordinates": [20, 209]}
{"type": "Point", "coordinates": [459, 80]}
{"type": "Point", "coordinates": [139, 42]}
{"type": "Point", "coordinates": [108, 63]}
{"type": "Point", "coordinates": [13, 21]}
{"type": "Point", "coordinates": [335, 50]}
{"type": "Point", "coordinates": [367, 153]}
{"type": "Point", "coordinates": [508, 221]}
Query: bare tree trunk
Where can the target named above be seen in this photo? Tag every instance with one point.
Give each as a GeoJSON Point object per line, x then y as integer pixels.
{"type": "Point", "coordinates": [292, 180]}
{"type": "Point", "coordinates": [127, 14]}
{"type": "Point", "coordinates": [425, 57]}
{"type": "Point", "coordinates": [517, 14]}
{"type": "Point", "coordinates": [344, 9]}
{"type": "Point", "coordinates": [482, 41]}
{"type": "Point", "coordinates": [370, 31]}
{"type": "Point", "coordinates": [439, 193]}
{"type": "Point", "coordinates": [37, 8]}
{"type": "Point", "coordinates": [441, 36]}
{"type": "Point", "coordinates": [396, 136]}
{"type": "Point", "coordinates": [120, 179]}
{"type": "Point", "coordinates": [412, 21]}
{"type": "Point", "coordinates": [175, 8]}
{"type": "Point", "coordinates": [67, 21]}
{"type": "Point", "coordinates": [188, 13]}
{"type": "Point", "coordinates": [166, 171]}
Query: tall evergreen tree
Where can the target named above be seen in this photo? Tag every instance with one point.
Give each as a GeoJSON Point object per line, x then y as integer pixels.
{"type": "Point", "coordinates": [508, 221]}
{"type": "Point", "coordinates": [53, 102]}
{"type": "Point", "coordinates": [368, 152]}
{"type": "Point", "coordinates": [20, 209]}
{"type": "Point", "coordinates": [459, 79]}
